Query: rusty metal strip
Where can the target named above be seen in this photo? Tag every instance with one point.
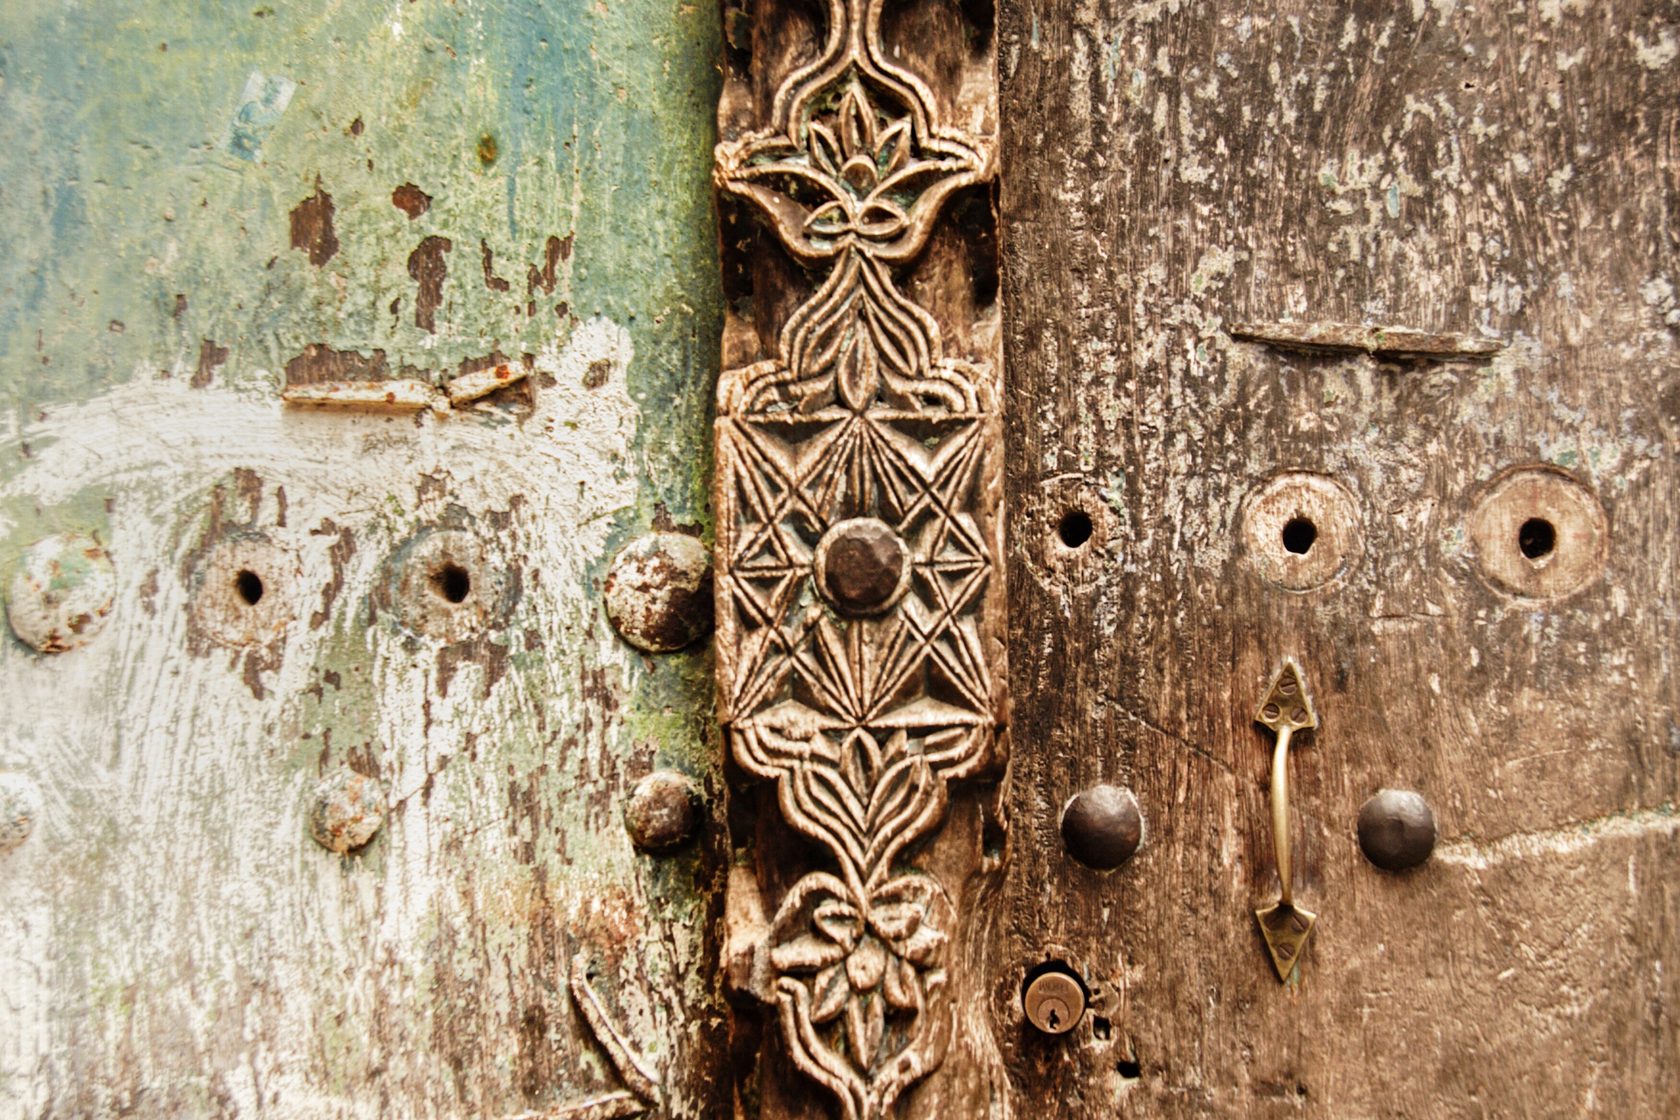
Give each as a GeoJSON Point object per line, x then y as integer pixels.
{"type": "Point", "coordinates": [860, 593]}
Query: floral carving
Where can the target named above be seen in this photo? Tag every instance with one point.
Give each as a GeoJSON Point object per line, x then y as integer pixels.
{"type": "Point", "coordinates": [860, 719]}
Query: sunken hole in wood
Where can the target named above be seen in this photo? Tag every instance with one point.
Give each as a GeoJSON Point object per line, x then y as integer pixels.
{"type": "Point", "coordinates": [1536, 538]}
{"type": "Point", "coordinates": [1298, 534]}
{"type": "Point", "coordinates": [1075, 528]}
{"type": "Point", "coordinates": [249, 586]}
{"type": "Point", "coordinates": [452, 582]}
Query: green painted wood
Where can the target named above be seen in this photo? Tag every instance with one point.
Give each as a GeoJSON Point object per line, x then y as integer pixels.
{"type": "Point", "coordinates": [198, 203]}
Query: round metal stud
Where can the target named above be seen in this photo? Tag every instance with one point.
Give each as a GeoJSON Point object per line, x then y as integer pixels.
{"type": "Point", "coordinates": [1102, 827]}
{"type": "Point", "coordinates": [1054, 998]}
{"type": "Point", "coordinates": [62, 594]}
{"type": "Point", "coordinates": [1396, 829]}
{"type": "Point", "coordinates": [20, 806]}
{"type": "Point", "coordinates": [346, 811]}
{"type": "Point", "coordinates": [663, 812]}
{"type": "Point", "coordinates": [659, 592]}
{"type": "Point", "coordinates": [862, 566]}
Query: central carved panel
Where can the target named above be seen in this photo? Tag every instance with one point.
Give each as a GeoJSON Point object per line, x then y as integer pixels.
{"type": "Point", "coordinates": [859, 586]}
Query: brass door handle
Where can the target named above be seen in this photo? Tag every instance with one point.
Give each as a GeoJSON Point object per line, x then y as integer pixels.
{"type": "Point", "coordinates": [1287, 708]}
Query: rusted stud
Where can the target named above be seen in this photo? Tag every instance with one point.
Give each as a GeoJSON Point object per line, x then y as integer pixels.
{"type": "Point", "coordinates": [62, 593]}
{"type": "Point", "coordinates": [1054, 998]}
{"type": "Point", "coordinates": [346, 811]}
{"type": "Point", "coordinates": [1102, 827]}
{"type": "Point", "coordinates": [1396, 829]}
{"type": "Point", "coordinates": [663, 812]}
{"type": "Point", "coordinates": [659, 592]}
{"type": "Point", "coordinates": [20, 807]}
{"type": "Point", "coordinates": [862, 566]}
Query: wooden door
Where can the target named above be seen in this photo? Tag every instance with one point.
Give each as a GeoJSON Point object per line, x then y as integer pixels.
{"type": "Point", "coordinates": [1345, 333]}
{"type": "Point", "coordinates": [343, 347]}
{"type": "Point", "coordinates": [361, 369]}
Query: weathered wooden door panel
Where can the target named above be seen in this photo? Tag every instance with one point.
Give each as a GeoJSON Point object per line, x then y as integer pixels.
{"type": "Point", "coordinates": [205, 208]}
{"type": "Point", "coordinates": [343, 349]}
{"type": "Point", "coordinates": [1205, 211]}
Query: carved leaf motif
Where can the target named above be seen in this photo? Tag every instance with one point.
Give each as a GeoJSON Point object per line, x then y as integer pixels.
{"type": "Point", "coordinates": [806, 954]}
{"type": "Point", "coordinates": [901, 989]}
{"type": "Point", "coordinates": [860, 722]}
{"type": "Point", "coordinates": [833, 990]}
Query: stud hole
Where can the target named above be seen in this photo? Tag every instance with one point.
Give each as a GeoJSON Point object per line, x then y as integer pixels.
{"type": "Point", "coordinates": [1130, 1069]}
{"type": "Point", "coordinates": [1537, 538]}
{"type": "Point", "coordinates": [1298, 535]}
{"type": "Point", "coordinates": [249, 586]}
{"type": "Point", "coordinates": [452, 582]}
{"type": "Point", "coordinates": [1075, 528]}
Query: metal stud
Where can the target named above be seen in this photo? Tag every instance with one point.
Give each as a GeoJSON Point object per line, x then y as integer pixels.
{"type": "Point", "coordinates": [862, 566]}
{"type": "Point", "coordinates": [1396, 829]}
{"type": "Point", "coordinates": [1102, 827]}
{"type": "Point", "coordinates": [659, 592]}
{"type": "Point", "coordinates": [663, 812]}
{"type": "Point", "coordinates": [62, 594]}
{"type": "Point", "coordinates": [346, 811]}
{"type": "Point", "coordinates": [20, 806]}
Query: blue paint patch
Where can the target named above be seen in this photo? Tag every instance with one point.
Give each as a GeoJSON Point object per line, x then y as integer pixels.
{"type": "Point", "coordinates": [261, 105]}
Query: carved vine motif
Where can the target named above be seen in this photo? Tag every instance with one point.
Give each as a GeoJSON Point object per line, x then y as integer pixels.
{"type": "Point", "coordinates": [857, 492]}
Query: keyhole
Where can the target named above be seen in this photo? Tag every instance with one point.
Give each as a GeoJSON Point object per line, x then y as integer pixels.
{"type": "Point", "coordinates": [1536, 538]}
{"type": "Point", "coordinates": [1298, 535]}
{"type": "Point", "coordinates": [453, 582]}
{"type": "Point", "coordinates": [249, 585]}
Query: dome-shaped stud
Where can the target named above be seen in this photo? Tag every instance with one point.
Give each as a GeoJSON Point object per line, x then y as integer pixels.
{"type": "Point", "coordinates": [1102, 827]}
{"type": "Point", "coordinates": [663, 812]}
{"type": "Point", "coordinates": [862, 566]}
{"type": "Point", "coordinates": [659, 592]}
{"type": "Point", "coordinates": [1396, 829]}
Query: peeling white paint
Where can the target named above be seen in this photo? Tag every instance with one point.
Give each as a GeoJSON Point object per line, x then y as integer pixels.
{"type": "Point", "coordinates": [176, 795]}
{"type": "Point", "coordinates": [1479, 855]}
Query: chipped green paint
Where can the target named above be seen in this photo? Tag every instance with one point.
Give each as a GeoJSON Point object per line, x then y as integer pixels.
{"type": "Point", "coordinates": [193, 199]}
{"type": "Point", "coordinates": [154, 160]}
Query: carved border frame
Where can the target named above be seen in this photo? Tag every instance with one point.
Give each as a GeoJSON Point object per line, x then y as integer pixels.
{"type": "Point", "coordinates": [854, 442]}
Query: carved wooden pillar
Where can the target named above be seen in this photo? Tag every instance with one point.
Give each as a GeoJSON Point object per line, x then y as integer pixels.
{"type": "Point", "coordinates": [860, 592]}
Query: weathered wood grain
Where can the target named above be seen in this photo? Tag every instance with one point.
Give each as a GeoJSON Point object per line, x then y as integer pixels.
{"type": "Point", "coordinates": [205, 205]}
{"type": "Point", "coordinates": [1499, 171]}
{"type": "Point", "coordinates": [860, 595]}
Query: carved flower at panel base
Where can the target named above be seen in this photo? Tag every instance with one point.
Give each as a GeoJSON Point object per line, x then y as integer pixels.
{"type": "Point", "coordinates": [866, 975]}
